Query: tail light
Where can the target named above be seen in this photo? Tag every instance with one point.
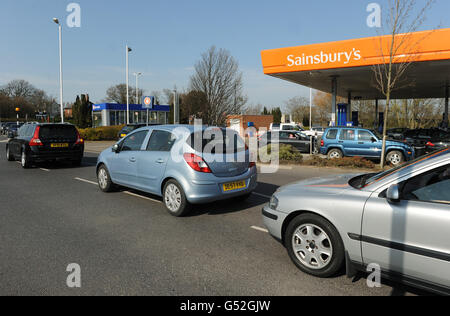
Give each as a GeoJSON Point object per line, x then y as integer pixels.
{"type": "Point", "coordinates": [252, 164]}
{"type": "Point", "coordinates": [80, 141]}
{"type": "Point", "coordinates": [197, 163]}
{"type": "Point", "coordinates": [430, 144]}
{"type": "Point", "coordinates": [35, 141]}
{"type": "Point", "coordinates": [322, 143]}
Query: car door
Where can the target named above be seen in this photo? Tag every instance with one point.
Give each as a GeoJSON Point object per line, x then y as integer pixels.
{"type": "Point", "coordinates": [347, 139]}
{"type": "Point", "coordinates": [411, 236]}
{"type": "Point", "coordinates": [152, 162]}
{"type": "Point", "coordinates": [290, 138]}
{"type": "Point", "coordinates": [123, 165]}
{"type": "Point", "coordinates": [367, 147]}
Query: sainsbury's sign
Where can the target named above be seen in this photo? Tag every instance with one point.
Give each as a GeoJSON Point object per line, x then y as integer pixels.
{"type": "Point", "coordinates": [324, 58]}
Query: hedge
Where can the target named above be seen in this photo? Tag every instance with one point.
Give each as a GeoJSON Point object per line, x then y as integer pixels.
{"type": "Point", "coordinates": [101, 133]}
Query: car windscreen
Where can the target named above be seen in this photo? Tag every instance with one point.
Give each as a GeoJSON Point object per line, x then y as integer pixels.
{"type": "Point", "coordinates": [216, 141]}
{"type": "Point", "coordinates": [58, 131]}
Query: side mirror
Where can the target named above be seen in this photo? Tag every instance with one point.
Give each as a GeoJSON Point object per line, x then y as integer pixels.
{"type": "Point", "coordinates": [116, 148]}
{"type": "Point", "coordinates": [393, 194]}
{"type": "Point", "coordinates": [374, 140]}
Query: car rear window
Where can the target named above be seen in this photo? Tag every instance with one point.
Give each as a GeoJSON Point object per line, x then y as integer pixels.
{"type": "Point", "coordinates": [58, 131]}
{"type": "Point", "coordinates": [332, 134]}
{"type": "Point", "coordinates": [229, 142]}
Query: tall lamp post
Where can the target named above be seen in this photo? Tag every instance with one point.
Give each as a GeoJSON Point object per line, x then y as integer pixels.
{"type": "Point", "coordinates": [60, 69]}
{"type": "Point", "coordinates": [128, 91]}
{"type": "Point", "coordinates": [137, 74]}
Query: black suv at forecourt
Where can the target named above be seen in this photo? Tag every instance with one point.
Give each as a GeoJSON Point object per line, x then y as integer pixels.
{"type": "Point", "coordinates": [45, 142]}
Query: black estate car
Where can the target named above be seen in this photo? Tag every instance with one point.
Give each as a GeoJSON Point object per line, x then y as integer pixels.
{"type": "Point", "coordinates": [45, 142]}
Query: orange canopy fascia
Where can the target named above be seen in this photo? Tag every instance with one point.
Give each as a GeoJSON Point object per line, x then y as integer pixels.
{"type": "Point", "coordinates": [413, 47]}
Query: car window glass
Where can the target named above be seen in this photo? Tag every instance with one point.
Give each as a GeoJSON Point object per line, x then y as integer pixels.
{"type": "Point", "coordinates": [347, 134]}
{"type": "Point", "coordinates": [161, 141]}
{"type": "Point", "coordinates": [134, 142]}
{"type": "Point", "coordinates": [364, 136]}
{"type": "Point", "coordinates": [433, 186]}
{"type": "Point", "coordinates": [284, 135]}
{"type": "Point", "coordinates": [332, 134]}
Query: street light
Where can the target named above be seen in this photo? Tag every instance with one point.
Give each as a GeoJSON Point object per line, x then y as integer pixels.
{"type": "Point", "coordinates": [128, 91]}
{"type": "Point", "coordinates": [60, 69]}
{"type": "Point", "coordinates": [137, 74]}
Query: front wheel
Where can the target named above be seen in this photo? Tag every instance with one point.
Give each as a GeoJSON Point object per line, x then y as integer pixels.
{"type": "Point", "coordinates": [175, 200]}
{"type": "Point", "coordinates": [395, 157]}
{"type": "Point", "coordinates": [314, 245]}
{"type": "Point", "coordinates": [104, 179]}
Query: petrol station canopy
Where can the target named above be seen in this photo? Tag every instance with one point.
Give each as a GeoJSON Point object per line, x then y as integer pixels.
{"type": "Point", "coordinates": [351, 63]}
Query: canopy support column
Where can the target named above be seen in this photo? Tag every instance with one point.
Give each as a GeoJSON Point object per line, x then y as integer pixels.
{"type": "Point", "coordinates": [446, 107]}
{"type": "Point", "coordinates": [349, 107]}
{"type": "Point", "coordinates": [333, 100]}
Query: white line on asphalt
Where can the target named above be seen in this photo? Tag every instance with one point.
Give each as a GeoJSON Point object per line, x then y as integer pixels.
{"type": "Point", "coordinates": [43, 169]}
{"type": "Point", "coordinates": [3, 141]}
{"type": "Point", "coordinates": [140, 196]}
{"type": "Point", "coordinates": [263, 195]}
{"type": "Point", "coordinates": [260, 229]}
{"type": "Point", "coordinates": [87, 181]}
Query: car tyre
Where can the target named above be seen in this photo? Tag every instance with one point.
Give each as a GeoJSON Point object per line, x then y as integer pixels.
{"type": "Point", "coordinates": [335, 154]}
{"type": "Point", "coordinates": [104, 180]}
{"type": "Point", "coordinates": [315, 246]}
{"type": "Point", "coordinates": [9, 157]}
{"type": "Point", "coordinates": [395, 158]}
{"type": "Point", "coordinates": [175, 200]}
{"type": "Point", "coordinates": [25, 160]}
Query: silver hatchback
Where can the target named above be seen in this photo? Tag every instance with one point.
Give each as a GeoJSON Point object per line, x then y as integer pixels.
{"type": "Point", "coordinates": [398, 221]}
{"type": "Point", "coordinates": [184, 164]}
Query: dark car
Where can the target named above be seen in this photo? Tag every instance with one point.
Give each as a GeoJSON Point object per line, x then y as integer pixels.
{"type": "Point", "coordinates": [45, 142]}
{"type": "Point", "coordinates": [131, 127]}
{"type": "Point", "coordinates": [396, 133]}
{"type": "Point", "coordinates": [298, 140]}
{"type": "Point", "coordinates": [425, 141]}
{"type": "Point", "coordinates": [12, 129]}
{"type": "Point", "coordinates": [7, 126]}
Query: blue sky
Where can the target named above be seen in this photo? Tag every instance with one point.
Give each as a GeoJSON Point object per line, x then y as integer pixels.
{"type": "Point", "coordinates": [168, 37]}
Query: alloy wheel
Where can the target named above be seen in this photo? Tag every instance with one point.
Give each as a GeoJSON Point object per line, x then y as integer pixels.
{"type": "Point", "coordinates": [312, 246]}
{"type": "Point", "coordinates": [172, 198]}
{"type": "Point", "coordinates": [103, 178]}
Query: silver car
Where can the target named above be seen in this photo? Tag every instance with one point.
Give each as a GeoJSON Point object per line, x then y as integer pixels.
{"type": "Point", "coordinates": [398, 220]}
{"type": "Point", "coordinates": [183, 165]}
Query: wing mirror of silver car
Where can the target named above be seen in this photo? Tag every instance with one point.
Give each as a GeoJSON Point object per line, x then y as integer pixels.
{"type": "Point", "coordinates": [116, 148]}
{"type": "Point", "coordinates": [393, 194]}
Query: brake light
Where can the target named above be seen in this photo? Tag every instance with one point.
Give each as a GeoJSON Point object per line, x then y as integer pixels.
{"type": "Point", "coordinates": [252, 164]}
{"type": "Point", "coordinates": [80, 141]}
{"type": "Point", "coordinates": [430, 144]}
{"type": "Point", "coordinates": [35, 141]}
{"type": "Point", "coordinates": [197, 163]}
{"type": "Point", "coordinates": [322, 143]}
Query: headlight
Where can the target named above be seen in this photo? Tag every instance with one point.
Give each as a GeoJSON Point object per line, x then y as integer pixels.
{"type": "Point", "coordinates": [273, 204]}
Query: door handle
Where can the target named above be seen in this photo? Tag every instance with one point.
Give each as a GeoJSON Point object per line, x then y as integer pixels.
{"type": "Point", "coordinates": [132, 159]}
{"type": "Point", "coordinates": [160, 161]}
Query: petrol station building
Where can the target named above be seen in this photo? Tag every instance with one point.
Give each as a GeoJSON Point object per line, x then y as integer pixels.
{"type": "Point", "coordinates": [345, 68]}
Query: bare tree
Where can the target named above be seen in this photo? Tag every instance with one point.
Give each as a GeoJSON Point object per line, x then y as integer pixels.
{"type": "Point", "coordinates": [217, 76]}
{"type": "Point", "coordinates": [19, 89]}
{"type": "Point", "coordinates": [389, 75]}
{"type": "Point", "coordinates": [118, 94]}
{"type": "Point", "coordinates": [253, 109]}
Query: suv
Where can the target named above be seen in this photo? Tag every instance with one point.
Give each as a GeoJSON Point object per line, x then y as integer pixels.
{"type": "Point", "coordinates": [37, 142]}
{"type": "Point", "coordinates": [338, 142]}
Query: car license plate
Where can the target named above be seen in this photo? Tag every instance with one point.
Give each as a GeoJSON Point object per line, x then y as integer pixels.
{"type": "Point", "coordinates": [59, 145]}
{"type": "Point", "coordinates": [234, 186]}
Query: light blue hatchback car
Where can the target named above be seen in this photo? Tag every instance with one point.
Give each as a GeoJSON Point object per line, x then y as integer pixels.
{"type": "Point", "coordinates": [184, 164]}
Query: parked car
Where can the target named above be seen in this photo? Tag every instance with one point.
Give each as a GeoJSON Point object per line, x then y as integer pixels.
{"type": "Point", "coordinates": [8, 126]}
{"type": "Point", "coordinates": [12, 130]}
{"type": "Point", "coordinates": [285, 127]}
{"type": "Point", "coordinates": [131, 127]}
{"type": "Point", "coordinates": [396, 133]}
{"type": "Point", "coordinates": [180, 164]}
{"type": "Point", "coordinates": [426, 140]}
{"type": "Point", "coordinates": [338, 142]}
{"type": "Point", "coordinates": [45, 142]}
{"type": "Point", "coordinates": [298, 140]}
{"type": "Point", "coordinates": [398, 220]}
{"type": "Point", "coordinates": [315, 131]}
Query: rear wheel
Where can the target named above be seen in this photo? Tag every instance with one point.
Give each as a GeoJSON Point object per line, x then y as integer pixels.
{"type": "Point", "coordinates": [395, 157]}
{"type": "Point", "coordinates": [335, 154]}
{"type": "Point", "coordinates": [104, 179]}
{"type": "Point", "coordinates": [314, 245]}
{"type": "Point", "coordinates": [175, 199]}
{"type": "Point", "coordinates": [9, 156]}
{"type": "Point", "coordinates": [25, 160]}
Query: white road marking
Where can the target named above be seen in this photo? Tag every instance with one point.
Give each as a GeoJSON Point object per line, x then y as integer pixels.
{"type": "Point", "coordinates": [259, 229]}
{"type": "Point", "coordinates": [263, 195]}
{"type": "Point", "coordinates": [141, 196]}
{"type": "Point", "coordinates": [3, 141]}
{"type": "Point", "coordinates": [43, 169]}
{"type": "Point", "coordinates": [87, 181]}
